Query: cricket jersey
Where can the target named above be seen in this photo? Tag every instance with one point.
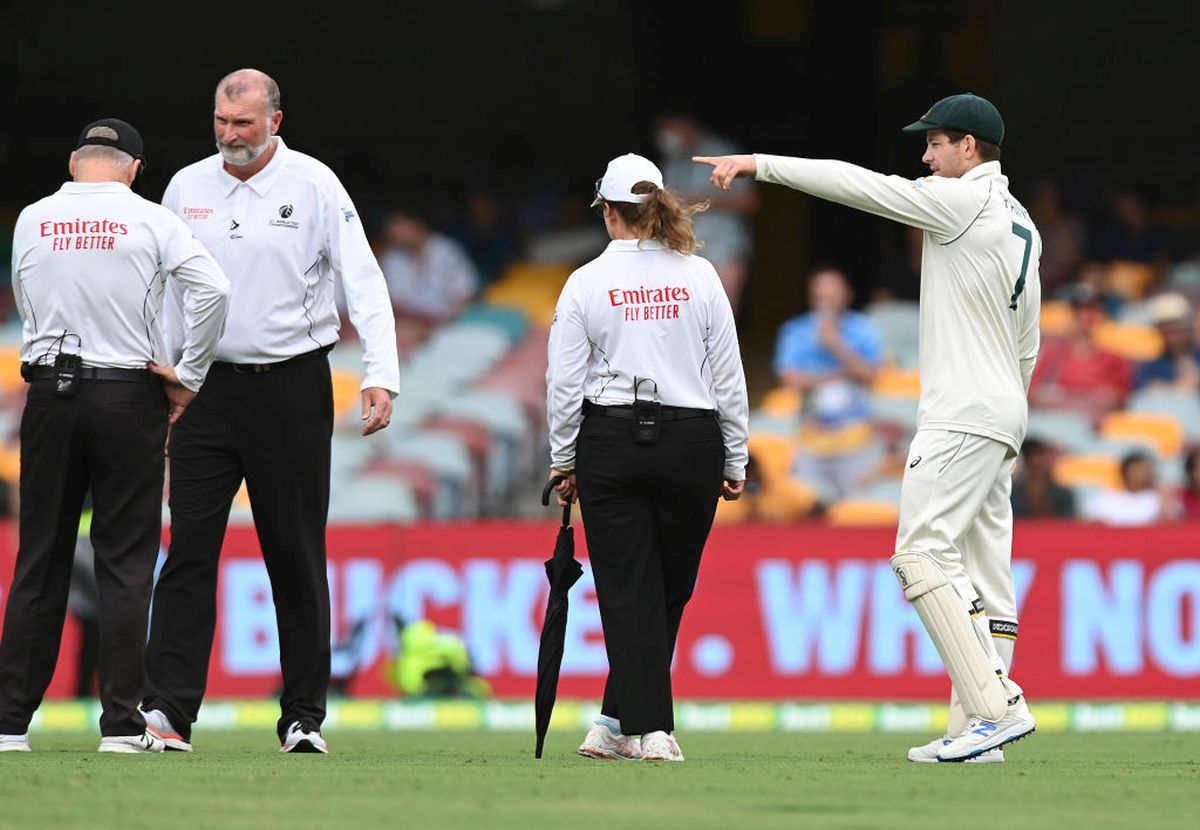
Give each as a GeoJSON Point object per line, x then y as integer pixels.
{"type": "Point", "coordinates": [980, 298]}
{"type": "Point", "coordinates": [91, 264]}
{"type": "Point", "coordinates": [641, 310]}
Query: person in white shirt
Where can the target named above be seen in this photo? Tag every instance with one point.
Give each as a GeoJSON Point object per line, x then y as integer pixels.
{"type": "Point", "coordinates": [286, 232]}
{"type": "Point", "coordinates": [980, 304]}
{"type": "Point", "coordinates": [91, 264]}
{"type": "Point", "coordinates": [648, 421]}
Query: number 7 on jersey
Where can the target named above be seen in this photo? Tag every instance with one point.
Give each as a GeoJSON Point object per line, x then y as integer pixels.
{"type": "Point", "coordinates": [1026, 235]}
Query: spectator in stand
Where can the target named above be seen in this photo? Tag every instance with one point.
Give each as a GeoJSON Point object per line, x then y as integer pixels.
{"type": "Point", "coordinates": [725, 227]}
{"type": "Point", "coordinates": [1188, 497]}
{"type": "Point", "coordinates": [1035, 494]}
{"type": "Point", "coordinates": [484, 232]}
{"type": "Point", "coordinates": [429, 276]}
{"type": "Point", "coordinates": [830, 356]}
{"type": "Point", "coordinates": [1178, 366]}
{"type": "Point", "coordinates": [1139, 502]}
{"type": "Point", "coordinates": [1072, 372]}
{"type": "Point", "coordinates": [1063, 236]}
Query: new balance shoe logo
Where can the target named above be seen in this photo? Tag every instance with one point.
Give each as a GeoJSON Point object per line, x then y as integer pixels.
{"type": "Point", "coordinates": [984, 729]}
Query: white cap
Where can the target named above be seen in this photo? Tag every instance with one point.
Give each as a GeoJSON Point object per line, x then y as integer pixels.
{"type": "Point", "coordinates": [622, 174]}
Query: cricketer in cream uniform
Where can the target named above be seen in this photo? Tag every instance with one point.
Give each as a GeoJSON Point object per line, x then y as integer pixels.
{"type": "Point", "coordinates": [980, 303]}
{"type": "Point", "coordinates": [284, 229]}
{"type": "Point", "coordinates": [91, 264]}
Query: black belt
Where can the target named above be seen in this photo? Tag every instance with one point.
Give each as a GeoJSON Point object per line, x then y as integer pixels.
{"type": "Point", "coordinates": [32, 373]}
{"type": "Point", "coordinates": [260, 368]}
{"type": "Point", "coordinates": [668, 413]}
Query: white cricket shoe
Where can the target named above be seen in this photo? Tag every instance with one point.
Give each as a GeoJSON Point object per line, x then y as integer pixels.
{"type": "Point", "coordinates": [158, 725]}
{"type": "Point", "coordinates": [659, 746]}
{"type": "Point", "coordinates": [131, 744]}
{"type": "Point", "coordinates": [928, 753]}
{"type": "Point", "coordinates": [303, 736]}
{"type": "Point", "coordinates": [14, 743]}
{"type": "Point", "coordinates": [982, 735]}
{"type": "Point", "coordinates": [605, 742]}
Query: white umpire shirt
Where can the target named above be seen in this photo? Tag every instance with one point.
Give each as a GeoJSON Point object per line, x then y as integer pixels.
{"type": "Point", "coordinates": [981, 293]}
{"type": "Point", "coordinates": [90, 267]}
{"type": "Point", "coordinates": [282, 237]}
{"type": "Point", "coordinates": [641, 310]}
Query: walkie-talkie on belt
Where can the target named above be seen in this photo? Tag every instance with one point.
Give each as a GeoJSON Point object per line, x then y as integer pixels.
{"type": "Point", "coordinates": [646, 415]}
{"type": "Point", "coordinates": [67, 369]}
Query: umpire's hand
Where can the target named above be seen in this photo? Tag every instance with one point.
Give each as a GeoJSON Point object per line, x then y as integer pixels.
{"type": "Point", "coordinates": [728, 168]}
{"type": "Point", "coordinates": [376, 409]}
{"type": "Point", "coordinates": [178, 395]}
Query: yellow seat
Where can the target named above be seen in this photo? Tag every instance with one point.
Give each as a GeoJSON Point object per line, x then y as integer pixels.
{"type": "Point", "coordinates": [860, 512]}
{"type": "Point", "coordinates": [11, 381]}
{"type": "Point", "coordinates": [1088, 471]}
{"type": "Point", "coordinates": [1130, 280]}
{"type": "Point", "coordinates": [782, 401]}
{"type": "Point", "coordinates": [1129, 340]}
{"type": "Point", "coordinates": [891, 382]}
{"type": "Point", "coordinates": [346, 392]}
{"type": "Point", "coordinates": [532, 287]}
{"type": "Point", "coordinates": [774, 455]}
{"type": "Point", "coordinates": [1057, 317]}
{"type": "Point", "coordinates": [1162, 432]}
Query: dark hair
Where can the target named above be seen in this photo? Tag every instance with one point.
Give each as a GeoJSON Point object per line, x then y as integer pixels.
{"type": "Point", "coordinates": [1132, 458]}
{"type": "Point", "coordinates": [662, 217]}
{"type": "Point", "coordinates": [1190, 460]}
{"type": "Point", "coordinates": [1033, 446]}
{"type": "Point", "coordinates": [987, 150]}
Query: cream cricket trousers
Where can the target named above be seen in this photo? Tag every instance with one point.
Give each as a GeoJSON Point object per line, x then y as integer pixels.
{"type": "Point", "coordinates": [955, 508]}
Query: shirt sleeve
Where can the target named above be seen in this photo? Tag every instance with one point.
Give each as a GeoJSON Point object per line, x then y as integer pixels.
{"type": "Point", "coordinates": [366, 291]}
{"type": "Point", "coordinates": [729, 385]}
{"type": "Point", "coordinates": [203, 297]}
{"type": "Point", "coordinates": [944, 207]}
{"type": "Point", "coordinates": [568, 350]}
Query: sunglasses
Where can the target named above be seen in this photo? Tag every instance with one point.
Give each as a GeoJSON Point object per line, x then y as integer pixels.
{"type": "Point", "coordinates": [597, 199]}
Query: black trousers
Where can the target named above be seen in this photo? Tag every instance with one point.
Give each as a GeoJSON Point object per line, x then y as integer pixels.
{"type": "Point", "coordinates": [647, 511]}
{"type": "Point", "coordinates": [109, 439]}
{"type": "Point", "coordinates": [274, 430]}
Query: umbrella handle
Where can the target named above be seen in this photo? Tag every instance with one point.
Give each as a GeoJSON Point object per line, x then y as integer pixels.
{"type": "Point", "coordinates": [550, 485]}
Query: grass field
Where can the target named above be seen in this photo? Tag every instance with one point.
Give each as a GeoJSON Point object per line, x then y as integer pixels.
{"type": "Point", "coordinates": [491, 780]}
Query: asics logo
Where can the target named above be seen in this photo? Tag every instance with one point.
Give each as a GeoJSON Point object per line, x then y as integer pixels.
{"type": "Point", "coordinates": [984, 729]}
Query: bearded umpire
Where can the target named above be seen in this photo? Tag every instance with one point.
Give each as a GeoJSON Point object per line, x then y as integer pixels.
{"type": "Point", "coordinates": [90, 267]}
{"type": "Point", "coordinates": [980, 304]}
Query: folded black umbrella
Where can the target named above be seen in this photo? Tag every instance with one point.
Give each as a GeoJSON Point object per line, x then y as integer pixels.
{"type": "Point", "coordinates": [563, 571]}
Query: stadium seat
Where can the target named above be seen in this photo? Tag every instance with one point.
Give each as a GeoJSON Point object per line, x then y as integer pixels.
{"type": "Point", "coordinates": [1068, 430]}
{"type": "Point", "coordinates": [347, 394]}
{"type": "Point", "coordinates": [897, 383]}
{"type": "Point", "coordinates": [511, 320]}
{"type": "Point", "coordinates": [1129, 280]}
{"type": "Point", "coordinates": [1162, 432]}
{"type": "Point", "coordinates": [1129, 340]}
{"type": "Point", "coordinates": [898, 324]}
{"type": "Point", "coordinates": [445, 455]}
{"type": "Point", "coordinates": [855, 512]}
{"type": "Point", "coordinates": [531, 287]}
{"type": "Point", "coordinates": [1182, 406]}
{"type": "Point", "coordinates": [1056, 318]}
{"type": "Point", "coordinates": [781, 401]}
{"type": "Point", "coordinates": [373, 498]}
{"type": "Point", "coordinates": [1088, 471]}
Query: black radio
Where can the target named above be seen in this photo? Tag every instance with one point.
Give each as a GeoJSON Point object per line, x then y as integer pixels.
{"type": "Point", "coordinates": [647, 415]}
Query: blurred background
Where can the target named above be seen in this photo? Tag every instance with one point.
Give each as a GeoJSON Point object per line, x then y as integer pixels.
{"type": "Point", "coordinates": [469, 135]}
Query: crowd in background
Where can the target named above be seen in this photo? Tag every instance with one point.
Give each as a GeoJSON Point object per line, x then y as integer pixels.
{"type": "Point", "coordinates": [1108, 257]}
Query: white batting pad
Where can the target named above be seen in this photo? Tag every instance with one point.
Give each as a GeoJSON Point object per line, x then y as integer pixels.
{"type": "Point", "coordinates": [944, 614]}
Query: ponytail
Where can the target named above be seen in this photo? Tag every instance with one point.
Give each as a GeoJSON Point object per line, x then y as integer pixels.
{"type": "Point", "coordinates": [662, 217]}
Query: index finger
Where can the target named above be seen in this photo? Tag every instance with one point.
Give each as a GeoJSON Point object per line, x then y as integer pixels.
{"type": "Point", "coordinates": [713, 160]}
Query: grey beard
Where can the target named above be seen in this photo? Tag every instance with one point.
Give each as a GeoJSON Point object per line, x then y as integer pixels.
{"type": "Point", "coordinates": [241, 156]}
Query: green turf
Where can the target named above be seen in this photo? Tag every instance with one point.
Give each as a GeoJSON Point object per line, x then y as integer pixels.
{"type": "Point", "coordinates": [404, 780]}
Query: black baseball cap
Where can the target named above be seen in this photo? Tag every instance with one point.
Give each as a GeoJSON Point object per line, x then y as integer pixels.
{"type": "Point", "coordinates": [101, 132]}
{"type": "Point", "coordinates": [967, 112]}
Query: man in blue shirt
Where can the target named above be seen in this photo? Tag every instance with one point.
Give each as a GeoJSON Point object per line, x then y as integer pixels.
{"type": "Point", "coordinates": [1178, 366]}
{"type": "Point", "coordinates": [830, 356]}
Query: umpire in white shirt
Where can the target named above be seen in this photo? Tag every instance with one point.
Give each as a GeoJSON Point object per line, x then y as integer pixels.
{"type": "Point", "coordinates": [648, 418]}
{"type": "Point", "coordinates": [284, 229]}
{"type": "Point", "coordinates": [90, 267]}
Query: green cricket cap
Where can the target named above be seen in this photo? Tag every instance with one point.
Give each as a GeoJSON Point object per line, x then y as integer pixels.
{"type": "Point", "coordinates": [966, 112]}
